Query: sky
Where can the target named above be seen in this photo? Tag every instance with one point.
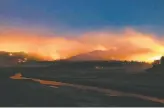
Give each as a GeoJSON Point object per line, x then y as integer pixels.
{"type": "Point", "coordinates": [74, 20]}
{"type": "Point", "coordinates": [84, 14]}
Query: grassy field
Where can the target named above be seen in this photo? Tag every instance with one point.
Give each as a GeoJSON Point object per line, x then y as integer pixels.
{"type": "Point", "coordinates": [127, 79]}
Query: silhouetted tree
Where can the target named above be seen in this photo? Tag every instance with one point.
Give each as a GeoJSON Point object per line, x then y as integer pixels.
{"type": "Point", "coordinates": [162, 60]}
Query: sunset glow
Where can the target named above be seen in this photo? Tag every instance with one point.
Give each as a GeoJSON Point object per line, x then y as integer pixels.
{"type": "Point", "coordinates": [126, 45]}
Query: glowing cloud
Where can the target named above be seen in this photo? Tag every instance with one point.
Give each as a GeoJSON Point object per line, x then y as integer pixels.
{"type": "Point", "coordinates": [126, 45]}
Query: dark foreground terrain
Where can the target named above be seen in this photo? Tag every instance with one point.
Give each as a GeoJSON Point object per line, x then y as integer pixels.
{"type": "Point", "coordinates": [81, 86]}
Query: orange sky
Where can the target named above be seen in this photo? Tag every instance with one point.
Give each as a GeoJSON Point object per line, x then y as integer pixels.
{"type": "Point", "coordinates": [126, 45]}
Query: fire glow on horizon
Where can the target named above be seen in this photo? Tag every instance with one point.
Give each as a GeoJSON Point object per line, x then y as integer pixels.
{"type": "Point", "coordinates": [126, 45]}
